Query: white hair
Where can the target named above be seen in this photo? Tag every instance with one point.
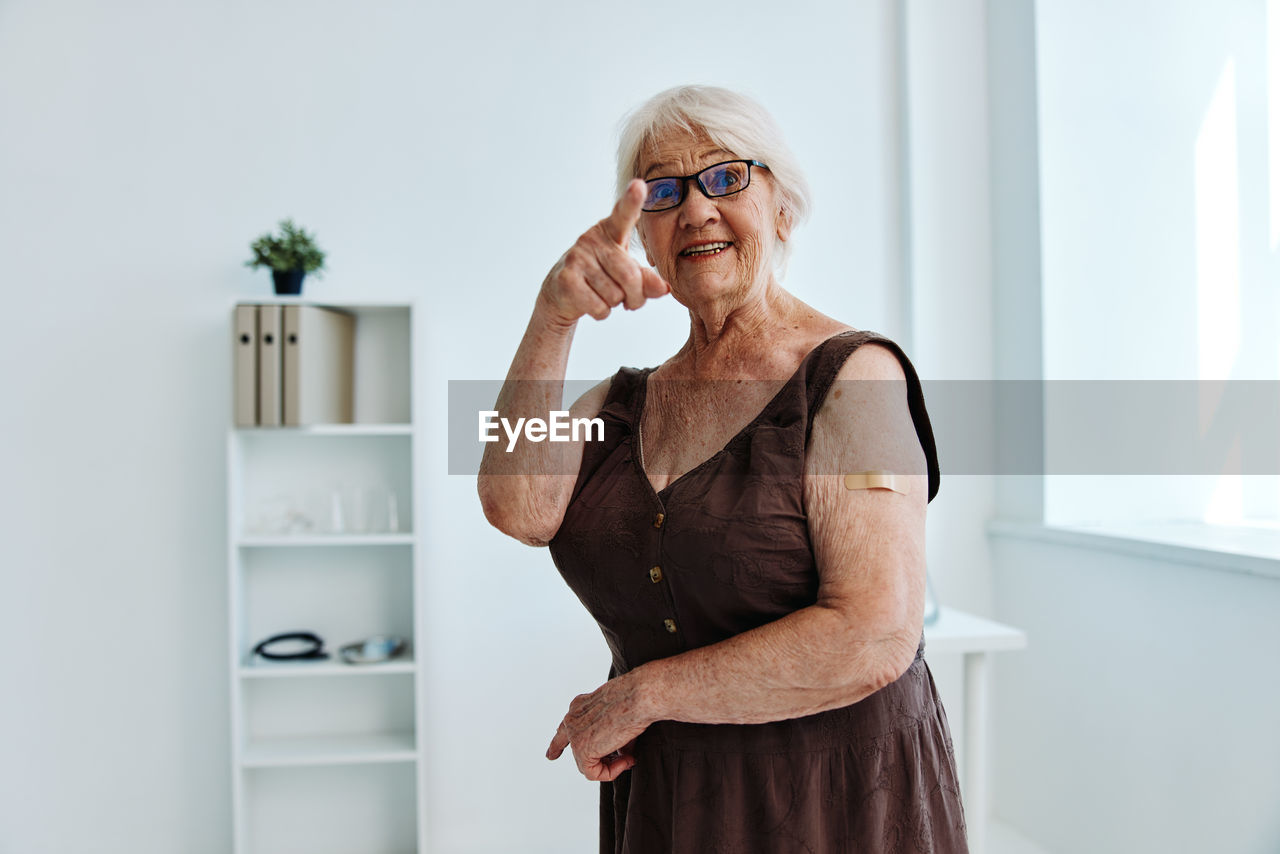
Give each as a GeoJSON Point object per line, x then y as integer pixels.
{"type": "Point", "coordinates": [733, 122]}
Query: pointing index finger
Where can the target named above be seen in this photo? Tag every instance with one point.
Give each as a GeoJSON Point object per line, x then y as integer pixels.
{"type": "Point", "coordinates": [558, 743]}
{"type": "Point", "coordinates": [626, 213]}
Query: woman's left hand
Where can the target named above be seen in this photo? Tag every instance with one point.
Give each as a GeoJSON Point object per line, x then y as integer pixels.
{"type": "Point", "coordinates": [601, 727]}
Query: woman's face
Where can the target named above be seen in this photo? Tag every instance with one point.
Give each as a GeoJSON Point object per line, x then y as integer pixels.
{"type": "Point", "coordinates": [709, 249]}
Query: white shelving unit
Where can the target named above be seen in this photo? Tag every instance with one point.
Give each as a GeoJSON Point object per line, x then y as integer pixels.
{"type": "Point", "coordinates": [327, 757]}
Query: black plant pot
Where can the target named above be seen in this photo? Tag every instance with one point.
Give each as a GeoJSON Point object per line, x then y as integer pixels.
{"type": "Point", "coordinates": [288, 282]}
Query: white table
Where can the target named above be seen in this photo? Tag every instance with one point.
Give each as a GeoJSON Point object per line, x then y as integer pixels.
{"type": "Point", "coordinates": [976, 639]}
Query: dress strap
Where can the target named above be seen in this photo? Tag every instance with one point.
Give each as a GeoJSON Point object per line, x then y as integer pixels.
{"type": "Point", "coordinates": [825, 365]}
{"type": "Point", "coordinates": [623, 396]}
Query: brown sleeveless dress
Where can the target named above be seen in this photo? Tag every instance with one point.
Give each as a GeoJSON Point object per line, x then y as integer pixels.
{"type": "Point", "coordinates": [732, 543]}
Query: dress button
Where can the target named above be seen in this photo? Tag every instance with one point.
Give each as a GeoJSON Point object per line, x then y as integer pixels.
{"type": "Point", "coordinates": [655, 574]}
{"type": "Point", "coordinates": [657, 520]}
{"type": "Point", "coordinates": [671, 625]}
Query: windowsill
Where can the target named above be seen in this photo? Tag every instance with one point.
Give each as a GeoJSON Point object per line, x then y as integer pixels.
{"type": "Point", "coordinates": [1250, 550]}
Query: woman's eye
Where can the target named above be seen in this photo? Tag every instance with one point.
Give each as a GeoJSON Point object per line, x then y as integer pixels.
{"type": "Point", "coordinates": [663, 192]}
{"type": "Point", "coordinates": [722, 182]}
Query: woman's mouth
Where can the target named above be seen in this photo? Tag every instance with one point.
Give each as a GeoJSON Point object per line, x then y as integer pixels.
{"type": "Point", "coordinates": [705, 250]}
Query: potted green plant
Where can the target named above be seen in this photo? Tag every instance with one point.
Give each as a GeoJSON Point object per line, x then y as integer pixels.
{"type": "Point", "coordinates": [290, 255]}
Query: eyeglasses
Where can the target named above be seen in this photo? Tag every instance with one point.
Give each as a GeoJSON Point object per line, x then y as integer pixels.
{"type": "Point", "coordinates": [722, 179]}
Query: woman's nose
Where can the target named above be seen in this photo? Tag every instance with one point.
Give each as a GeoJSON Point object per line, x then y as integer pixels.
{"type": "Point", "coordinates": [697, 210]}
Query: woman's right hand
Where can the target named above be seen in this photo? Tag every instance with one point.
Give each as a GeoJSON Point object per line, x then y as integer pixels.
{"type": "Point", "coordinates": [598, 274]}
{"type": "Point", "coordinates": [594, 276]}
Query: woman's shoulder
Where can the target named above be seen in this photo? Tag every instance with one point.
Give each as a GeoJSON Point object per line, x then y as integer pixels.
{"type": "Point", "coordinates": [612, 397]}
{"type": "Point", "coordinates": [841, 400]}
{"type": "Point", "coordinates": [849, 357]}
{"type": "Point", "coordinates": [870, 356]}
{"type": "Point", "coordinates": [856, 353]}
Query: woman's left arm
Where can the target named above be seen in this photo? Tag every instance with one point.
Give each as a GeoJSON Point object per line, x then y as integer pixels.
{"type": "Point", "coordinates": [860, 635]}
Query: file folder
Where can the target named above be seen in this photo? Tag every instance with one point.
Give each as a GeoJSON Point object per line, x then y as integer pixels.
{"type": "Point", "coordinates": [270, 366]}
{"type": "Point", "coordinates": [245, 379]}
{"type": "Point", "coordinates": [318, 366]}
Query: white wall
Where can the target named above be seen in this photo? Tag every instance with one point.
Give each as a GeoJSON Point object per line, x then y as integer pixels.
{"type": "Point", "coordinates": [948, 258]}
{"type": "Point", "coordinates": [142, 146]}
{"type": "Point", "coordinates": [950, 251]}
{"type": "Point", "coordinates": [1141, 715]}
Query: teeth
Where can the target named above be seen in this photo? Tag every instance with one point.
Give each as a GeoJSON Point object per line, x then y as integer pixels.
{"type": "Point", "coordinates": [706, 248]}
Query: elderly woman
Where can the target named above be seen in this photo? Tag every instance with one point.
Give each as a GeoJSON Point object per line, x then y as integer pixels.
{"type": "Point", "coordinates": [759, 583]}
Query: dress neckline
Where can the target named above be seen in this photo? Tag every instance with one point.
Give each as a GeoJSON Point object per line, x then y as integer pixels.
{"type": "Point", "coordinates": [637, 415]}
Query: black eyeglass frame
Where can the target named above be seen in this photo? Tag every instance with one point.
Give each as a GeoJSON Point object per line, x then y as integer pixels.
{"type": "Point", "coordinates": [684, 183]}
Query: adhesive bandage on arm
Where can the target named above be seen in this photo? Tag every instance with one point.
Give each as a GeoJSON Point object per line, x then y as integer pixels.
{"type": "Point", "coordinates": [877, 480]}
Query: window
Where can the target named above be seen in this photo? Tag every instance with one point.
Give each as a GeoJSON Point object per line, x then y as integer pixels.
{"type": "Point", "coordinates": [1160, 224]}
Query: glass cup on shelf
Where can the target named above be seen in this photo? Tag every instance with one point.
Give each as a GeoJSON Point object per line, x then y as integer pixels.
{"type": "Point", "coordinates": [373, 510]}
{"type": "Point", "coordinates": [393, 513]}
{"type": "Point", "coordinates": [361, 501]}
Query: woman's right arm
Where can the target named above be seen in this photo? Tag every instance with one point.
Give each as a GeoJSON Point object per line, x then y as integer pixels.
{"type": "Point", "coordinates": [525, 491]}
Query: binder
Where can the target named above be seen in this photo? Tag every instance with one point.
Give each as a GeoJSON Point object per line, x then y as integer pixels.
{"type": "Point", "coordinates": [318, 366]}
{"type": "Point", "coordinates": [269, 366]}
{"type": "Point", "coordinates": [245, 380]}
